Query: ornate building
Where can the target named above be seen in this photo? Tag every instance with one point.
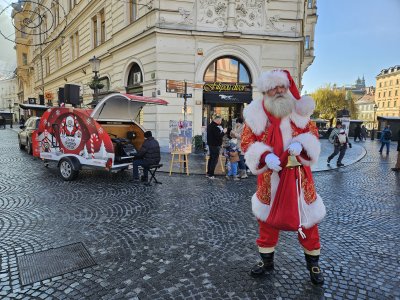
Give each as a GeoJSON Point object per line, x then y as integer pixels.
{"type": "Point", "coordinates": [365, 108]}
{"type": "Point", "coordinates": [388, 92]}
{"type": "Point", "coordinates": [218, 47]}
{"type": "Point", "coordinates": [8, 97]}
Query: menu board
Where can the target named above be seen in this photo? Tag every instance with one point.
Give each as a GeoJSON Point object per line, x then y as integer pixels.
{"type": "Point", "coordinates": [180, 136]}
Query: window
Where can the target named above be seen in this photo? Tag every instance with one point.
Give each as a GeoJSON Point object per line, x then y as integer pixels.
{"type": "Point", "coordinates": [47, 65]}
{"type": "Point", "coordinates": [133, 11]}
{"type": "Point", "coordinates": [307, 42]}
{"type": "Point", "coordinates": [103, 27]}
{"type": "Point", "coordinates": [24, 59]}
{"type": "Point", "coordinates": [390, 83]}
{"type": "Point", "coordinates": [390, 92]}
{"type": "Point", "coordinates": [394, 103]}
{"type": "Point", "coordinates": [379, 94]}
{"type": "Point", "coordinates": [383, 104]}
{"type": "Point", "coordinates": [58, 58]}
{"type": "Point", "coordinates": [94, 25]}
{"type": "Point", "coordinates": [71, 4]}
{"type": "Point", "coordinates": [397, 81]}
{"type": "Point", "coordinates": [395, 92]}
{"type": "Point", "coordinates": [74, 45]}
{"type": "Point", "coordinates": [388, 104]}
{"type": "Point", "coordinates": [310, 4]}
{"type": "Point", "coordinates": [384, 94]}
{"type": "Point", "coordinates": [227, 69]}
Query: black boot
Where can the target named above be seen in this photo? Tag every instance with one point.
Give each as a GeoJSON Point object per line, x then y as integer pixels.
{"type": "Point", "coordinates": [266, 264]}
{"type": "Point", "coordinates": [315, 272]}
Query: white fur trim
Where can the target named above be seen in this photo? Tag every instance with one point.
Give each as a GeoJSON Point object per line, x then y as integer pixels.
{"type": "Point", "coordinates": [311, 145]}
{"type": "Point", "coordinates": [305, 106]}
{"type": "Point", "coordinates": [286, 131]}
{"type": "Point", "coordinates": [253, 155]}
{"type": "Point", "coordinates": [260, 210]}
{"type": "Point", "coordinates": [313, 213]}
{"type": "Point", "coordinates": [271, 79]}
{"type": "Point", "coordinates": [255, 116]}
{"type": "Point", "coordinates": [299, 121]}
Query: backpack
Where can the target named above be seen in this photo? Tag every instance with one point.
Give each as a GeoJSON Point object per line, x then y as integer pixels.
{"type": "Point", "coordinates": [387, 135]}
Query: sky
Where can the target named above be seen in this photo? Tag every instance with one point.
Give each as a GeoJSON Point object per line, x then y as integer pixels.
{"type": "Point", "coordinates": [353, 38]}
{"type": "Point", "coordinates": [8, 60]}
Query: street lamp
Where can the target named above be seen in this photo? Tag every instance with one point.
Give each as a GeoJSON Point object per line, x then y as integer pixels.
{"type": "Point", "coordinates": [95, 65]}
{"type": "Point", "coordinates": [373, 123]}
{"type": "Point", "coordinates": [11, 113]}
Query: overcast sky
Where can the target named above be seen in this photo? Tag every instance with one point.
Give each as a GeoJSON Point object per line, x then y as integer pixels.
{"type": "Point", "coordinates": [353, 38]}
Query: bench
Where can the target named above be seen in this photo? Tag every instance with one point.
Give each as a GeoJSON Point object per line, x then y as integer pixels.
{"type": "Point", "coordinates": [152, 170]}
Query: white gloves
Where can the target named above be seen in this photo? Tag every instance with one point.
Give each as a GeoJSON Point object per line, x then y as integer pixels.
{"type": "Point", "coordinates": [273, 162]}
{"type": "Point", "coordinates": [295, 148]}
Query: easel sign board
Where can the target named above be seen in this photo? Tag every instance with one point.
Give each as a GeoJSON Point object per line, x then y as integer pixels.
{"type": "Point", "coordinates": [180, 136]}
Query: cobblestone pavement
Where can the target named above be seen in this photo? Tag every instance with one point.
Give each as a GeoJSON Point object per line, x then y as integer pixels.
{"type": "Point", "coordinates": [190, 238]}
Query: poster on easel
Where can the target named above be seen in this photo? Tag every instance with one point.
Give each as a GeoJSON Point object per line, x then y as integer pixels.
{"type": "Point", "coordinates": [180, 136]}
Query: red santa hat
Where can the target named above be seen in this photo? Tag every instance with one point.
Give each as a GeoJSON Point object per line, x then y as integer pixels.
{"type": "Point", "coordinates": [305, 105]}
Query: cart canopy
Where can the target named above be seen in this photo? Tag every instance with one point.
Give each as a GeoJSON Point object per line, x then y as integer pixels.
{"type": "Point", "coordinates": [122, 107]}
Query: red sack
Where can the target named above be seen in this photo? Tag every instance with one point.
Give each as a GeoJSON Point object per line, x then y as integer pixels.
{"type": "Point", "coordinates": [284, 214]}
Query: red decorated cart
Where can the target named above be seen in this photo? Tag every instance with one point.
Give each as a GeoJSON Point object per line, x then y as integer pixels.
{"type": "Point", "coordinates": [104, 137]}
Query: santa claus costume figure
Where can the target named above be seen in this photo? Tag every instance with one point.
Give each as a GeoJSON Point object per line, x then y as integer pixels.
{"type": "Point", "coordinates": [276, 126]}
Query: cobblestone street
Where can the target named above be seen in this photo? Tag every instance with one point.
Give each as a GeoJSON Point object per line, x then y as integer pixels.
{"type": "Point", "coordinates": [192, 238]}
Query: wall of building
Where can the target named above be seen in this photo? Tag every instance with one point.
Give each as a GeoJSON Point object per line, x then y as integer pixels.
{"type": "Point", "coordinates": [388, 92]}
{"type": "Point", "coordinates": [169, 40]}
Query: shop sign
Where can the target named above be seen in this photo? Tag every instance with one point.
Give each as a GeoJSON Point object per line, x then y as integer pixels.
{"type": "Point", "coordinates": [49, 95]}
{"type": "Point", "coordinates": [226, 87]}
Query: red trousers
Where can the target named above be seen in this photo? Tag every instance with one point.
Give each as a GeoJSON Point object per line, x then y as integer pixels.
{"type": "Point", "coordinates": [269, 237]}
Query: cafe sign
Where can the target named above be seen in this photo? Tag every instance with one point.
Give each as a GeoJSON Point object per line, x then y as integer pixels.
{"type": "Point", "coordinates": [226, 87]}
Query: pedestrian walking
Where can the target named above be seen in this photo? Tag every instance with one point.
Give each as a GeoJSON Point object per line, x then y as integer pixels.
{"type": "Point", "coordinates": [237, 132]}
{"type": "Point", "coordinates": [357, 133]}
{"type": "Point", "coordinates": [339, 139]}
{"type": "Point", "coordinates": [386, 136]}
{"type": "Point", "coordinates": [364, 133]}
{"type": "Point", "coordinates": [215, 132]}
{"type": "Point", "coordinates": [232, 153]}
{"type": "Point", "coordinates": [397, 166]}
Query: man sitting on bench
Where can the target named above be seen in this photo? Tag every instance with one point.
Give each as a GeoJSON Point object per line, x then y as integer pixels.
{"type": "Point", "coordinates": [148, 155]}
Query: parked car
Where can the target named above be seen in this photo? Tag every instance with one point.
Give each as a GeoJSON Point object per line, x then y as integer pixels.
{"type": "Point", "coordinates": [25, 135]}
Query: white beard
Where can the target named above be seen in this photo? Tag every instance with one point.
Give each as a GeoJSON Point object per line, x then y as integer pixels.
{"type": "Point", "coordinates": [280, 105]}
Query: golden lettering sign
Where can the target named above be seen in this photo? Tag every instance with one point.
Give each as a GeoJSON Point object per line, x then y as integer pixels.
{"type": "Point", "coordinates": [224, 87]}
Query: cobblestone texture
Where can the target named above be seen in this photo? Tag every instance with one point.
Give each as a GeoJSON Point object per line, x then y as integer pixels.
{"type": "Point", "coordinates": [190, 238]}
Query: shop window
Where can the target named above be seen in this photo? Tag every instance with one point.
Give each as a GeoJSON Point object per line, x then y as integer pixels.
{"type": "Point", "coordinates": [227, 69]}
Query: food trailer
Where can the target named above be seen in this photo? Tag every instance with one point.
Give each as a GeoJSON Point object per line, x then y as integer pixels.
{"type": "Point", "coordinates": [105, 137]}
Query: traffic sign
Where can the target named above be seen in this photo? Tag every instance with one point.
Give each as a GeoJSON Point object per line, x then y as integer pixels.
{"type": "Point", "coordinates": [179, 95]}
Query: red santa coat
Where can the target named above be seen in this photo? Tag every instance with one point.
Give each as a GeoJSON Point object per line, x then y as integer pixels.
{"type": "Point", "coordinates": [294, 128]}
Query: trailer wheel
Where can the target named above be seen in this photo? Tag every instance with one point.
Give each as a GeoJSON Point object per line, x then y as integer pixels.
{"type": "Point", "coordinates": [67, 170]}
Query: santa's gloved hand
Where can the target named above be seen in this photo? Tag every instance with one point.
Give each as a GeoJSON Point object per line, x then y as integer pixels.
{"type": "Point", "coordinates": [272, 161]}
{"type": "Point", "coordinates": [295, 148]}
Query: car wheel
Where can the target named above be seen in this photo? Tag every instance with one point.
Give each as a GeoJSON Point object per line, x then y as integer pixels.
{"type": "Point", "coordinates": [22, 147]}
{"type": "Point", "coordinates": [28, 146]}
{"type": "Point", "coordinates": [66, 170]}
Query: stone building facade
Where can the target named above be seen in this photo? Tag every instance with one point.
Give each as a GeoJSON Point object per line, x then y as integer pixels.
{"type": "Point", "coordinates": [149, 47]}
{"type": "Point", "coordinates": [388, 92]}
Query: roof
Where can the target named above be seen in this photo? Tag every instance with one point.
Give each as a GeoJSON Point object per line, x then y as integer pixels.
{"type": "Point", "coordinates": [366, 99]}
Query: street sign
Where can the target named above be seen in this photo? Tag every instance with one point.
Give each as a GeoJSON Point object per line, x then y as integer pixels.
{"type": "Point", "coordinates": [179, 95]}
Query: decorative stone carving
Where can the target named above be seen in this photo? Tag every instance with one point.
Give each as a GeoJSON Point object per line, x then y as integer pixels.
{"type": "Point", "coordinates": [271, 23]}
{"type": "Point", "coordinates": [213, 12]}
{"type": "Point", "coordinates": [185, 15]}
{"type": "Point", "coordinates": [249, 13]}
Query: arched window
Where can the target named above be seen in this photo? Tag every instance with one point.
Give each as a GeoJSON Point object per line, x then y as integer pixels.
{"type": "Point", "coordinates": [135, 80]}
{"type": "Point", "coordinates": [227, 69]}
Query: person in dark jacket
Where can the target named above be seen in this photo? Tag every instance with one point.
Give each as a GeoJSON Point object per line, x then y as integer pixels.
{"type": "Point", "coordinates": [215, 132]}
{"type": "Point", "coordinates": [148, 155]}
{"type": "Point", "coordinates": [386, 136]}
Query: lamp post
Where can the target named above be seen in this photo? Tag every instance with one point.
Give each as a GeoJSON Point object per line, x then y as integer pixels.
{"type": "Point", "coordinates": [11, 113]}
{"type": "Point", "coordinates": [373, 123]}
{"type": "Point", "coordinates": [95, 65]}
